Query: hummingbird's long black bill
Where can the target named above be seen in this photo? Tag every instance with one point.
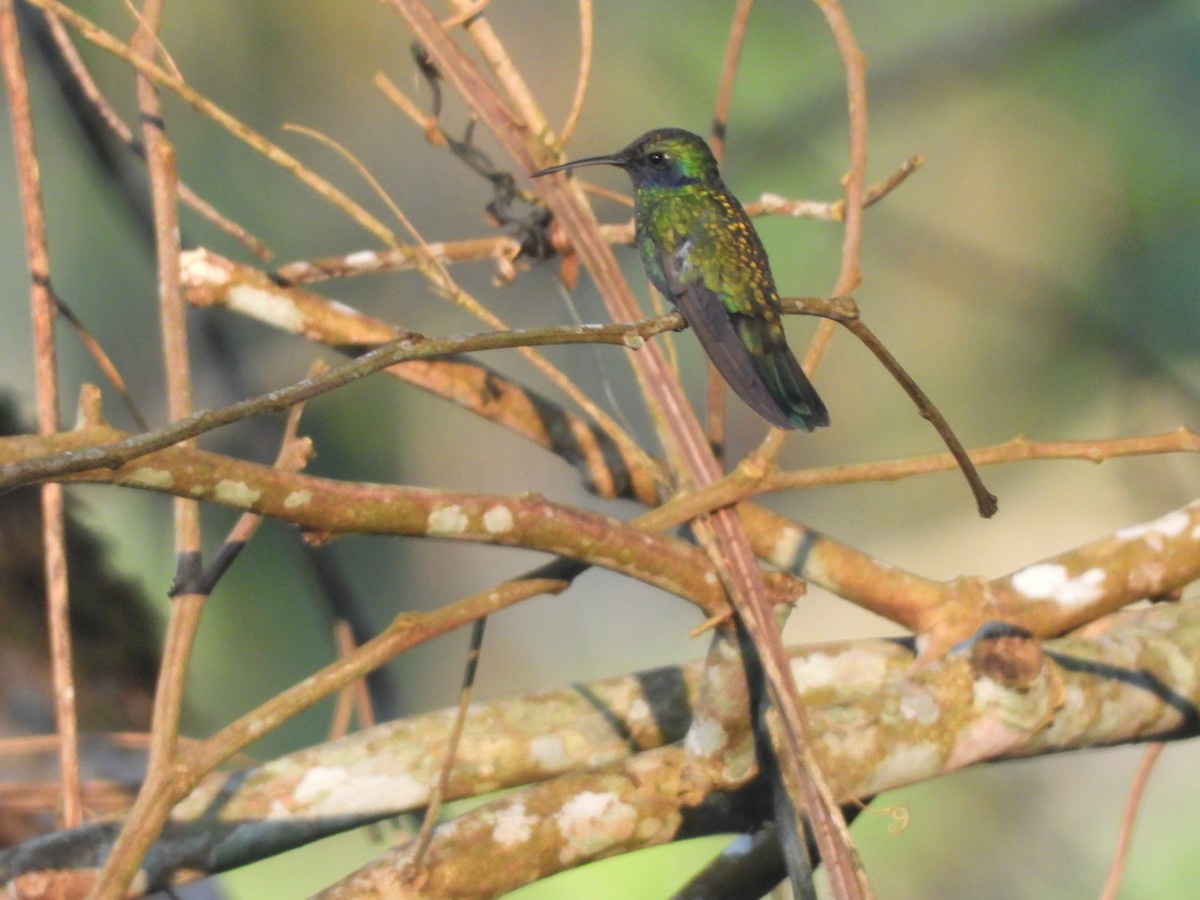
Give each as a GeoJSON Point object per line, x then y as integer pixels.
{"type": "Point", "coordinates": [588, 161]}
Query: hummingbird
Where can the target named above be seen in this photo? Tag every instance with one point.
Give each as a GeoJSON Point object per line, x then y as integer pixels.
{"type": "Point", "coordinates": [700, 250]}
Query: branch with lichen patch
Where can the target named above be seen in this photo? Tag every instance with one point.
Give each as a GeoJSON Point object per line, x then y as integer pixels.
{"type": "Point", "coordinates": [1047, 598]}
{"type": "Point", "coordinates": [610, 468]}
{"type": "Point", "coordinates": [328, 507]}
{"type": "Point", "coordinates": [997, 698]}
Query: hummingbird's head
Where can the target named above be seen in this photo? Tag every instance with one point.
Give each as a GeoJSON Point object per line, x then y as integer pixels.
{"type": "Point", "coordinates": [668, 158]}
{"type": "Point", "coordinates": [665, 158]}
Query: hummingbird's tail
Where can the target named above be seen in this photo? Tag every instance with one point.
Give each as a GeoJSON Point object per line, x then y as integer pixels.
{"type": "Point", "coordinates": [780, 377]}
{"type": "Point", "coordinates": [753, 357]}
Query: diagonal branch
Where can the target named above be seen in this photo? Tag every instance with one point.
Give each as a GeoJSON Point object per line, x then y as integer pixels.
{"type": "Point", "coordinates": [678, 428]}
{"type": "Point", "coordinates": [410, 347]}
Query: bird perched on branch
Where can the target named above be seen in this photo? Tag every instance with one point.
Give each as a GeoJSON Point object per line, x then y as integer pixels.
{"type": "Point", "coordinates": [700, 250]}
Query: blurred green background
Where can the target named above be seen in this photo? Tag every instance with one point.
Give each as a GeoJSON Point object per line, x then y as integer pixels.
{"type": "Point", "coordinates": [1038, 276]}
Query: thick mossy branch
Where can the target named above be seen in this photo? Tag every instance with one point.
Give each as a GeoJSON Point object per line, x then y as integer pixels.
{"type": "Point", "coordinates": [1000, 696]}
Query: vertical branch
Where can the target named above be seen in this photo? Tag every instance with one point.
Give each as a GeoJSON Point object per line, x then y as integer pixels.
{"type": "Point", "coordinates": [42, 302]}
{"type": "Point", "coordinates": [154, 799]}
{"type": "Point", "coordinates": [715, 391]}
{"type": "Point", "coordinates": [585, 71]}
{"type": "Point", "coordinates": [853, 193]}
{"type": "Point", "coordinates": [160, 162]}
{"type": "Point", "coordinates": [729, 68]}
{"type": "Point", "coordinates": [1112, 884]}
{"type": "Point", "coordinates": [849, 275]}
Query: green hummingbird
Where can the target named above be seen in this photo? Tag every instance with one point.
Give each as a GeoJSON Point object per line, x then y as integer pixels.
{"type": "Point", "coordinates": [700, 250]}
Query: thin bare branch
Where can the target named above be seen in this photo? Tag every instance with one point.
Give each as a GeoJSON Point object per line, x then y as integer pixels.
{"type": "Point", "coordinates": [409, 347]}
{"type": "Point", "coordinates": [503, 247]}
{"type": "Point", "coordinates": [585, 72]}
{"type": "Point", "coordinates": [202, 104]}
{"type": "Point", "coordinates": [426, 122]}
{"type": "Point", "coordinates": [854, 183]}
{"type": "Point", "coordinates": [985, 500]}
{"type": "Point", "coordinates": [729, 69]}
{"type": "Point", "coordinates": [856, 175]}
{"type": "Point", "coordinates": [45, 362]}
{"type": "Point", "coordinates": [466, 12]}
{"type": "Point", "coordinates": [103, 109]}
{"type": "Point", "coordinates": [1181, 440]}
{"type": "Point", "coordinates": [1112, 884]}
{"type": "Point", "coordinates": [294, 454]}
{"type": "Point", "coordinates": [714, 395]}
{"type": "Point", "coordinates": [442, 788]}
{"type": "Point", "coordinates": [145, 822]}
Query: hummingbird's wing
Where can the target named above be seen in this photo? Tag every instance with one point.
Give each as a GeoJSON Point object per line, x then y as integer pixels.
{"type": "Point", "coordinates": [750, 351]}
{"type": "Point", "coordinates": [780, 371]}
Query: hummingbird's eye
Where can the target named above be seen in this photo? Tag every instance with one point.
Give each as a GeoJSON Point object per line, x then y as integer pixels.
{"type": "Point", "coordinates": [657, 158]}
